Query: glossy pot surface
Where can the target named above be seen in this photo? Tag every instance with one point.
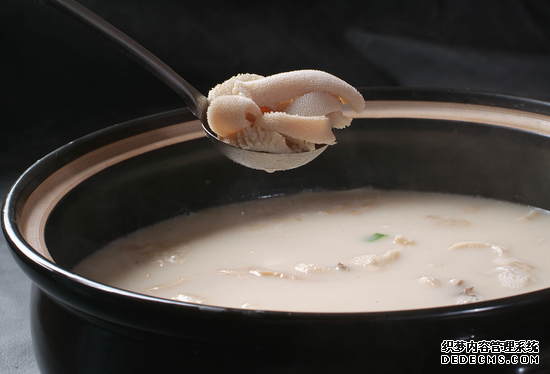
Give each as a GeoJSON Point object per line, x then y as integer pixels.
{"type": "Point", "coordinates": [131, 175]}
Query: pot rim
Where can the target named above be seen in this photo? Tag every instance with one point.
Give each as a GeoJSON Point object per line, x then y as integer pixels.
{"type": "Point", "coordinates": [46, 274]}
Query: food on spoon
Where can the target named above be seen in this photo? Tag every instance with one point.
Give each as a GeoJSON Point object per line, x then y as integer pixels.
{"type": "Point", "coordinates": [282, 113]}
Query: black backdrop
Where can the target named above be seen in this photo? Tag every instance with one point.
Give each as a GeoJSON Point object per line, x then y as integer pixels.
{"type": "Point", "coordinates": [59, 82]}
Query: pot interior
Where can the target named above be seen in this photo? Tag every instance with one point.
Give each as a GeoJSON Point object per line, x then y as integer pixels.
{"type": "Point", "coordinates": [129, 176]}
{"type": "Point", "coordinates": [110, 183]}
{"type": "Point", "coordinates": [418, 154]}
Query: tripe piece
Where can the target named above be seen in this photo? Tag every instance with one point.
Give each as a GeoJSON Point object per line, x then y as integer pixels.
{"type": "Point", "coordinates": [468, 297]}
{"type": "Point", "coordinates": [312, 269]}
{"type": "Point", "coordinates": [283, 113]}
{"type": "Point", "coordinates": [514, 277]}
{"type": "Point", "coordinates": [429, 281]}
{"type": "Point", "coordinates": [376, 262]}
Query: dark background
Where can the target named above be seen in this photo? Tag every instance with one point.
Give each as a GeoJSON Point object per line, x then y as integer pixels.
{"type": "Point", "coordinates": [58, 82]}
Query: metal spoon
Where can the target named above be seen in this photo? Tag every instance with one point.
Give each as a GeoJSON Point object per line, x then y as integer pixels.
{"type": "Point", "coordinates": [196, 101]}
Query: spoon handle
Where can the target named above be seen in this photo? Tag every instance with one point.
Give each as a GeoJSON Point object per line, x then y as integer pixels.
{"type": "Point", "coordinates": [196, 101]}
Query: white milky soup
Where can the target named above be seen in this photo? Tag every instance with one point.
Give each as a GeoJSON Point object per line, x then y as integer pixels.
{"type": "Point", "coordinates": [352, 251]}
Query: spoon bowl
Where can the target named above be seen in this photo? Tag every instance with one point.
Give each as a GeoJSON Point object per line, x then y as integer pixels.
{"type": "Point", "coordinates": [269, 162]}
{"type": "Point", "coordinates": [197, 102]}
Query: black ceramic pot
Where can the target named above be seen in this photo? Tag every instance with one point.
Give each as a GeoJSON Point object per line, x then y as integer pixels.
{"type": "Point", "coordinates": [115, 181]}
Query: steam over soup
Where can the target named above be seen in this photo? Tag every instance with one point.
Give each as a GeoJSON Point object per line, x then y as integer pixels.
{"type": "Point", "coordinates": [360, 250]}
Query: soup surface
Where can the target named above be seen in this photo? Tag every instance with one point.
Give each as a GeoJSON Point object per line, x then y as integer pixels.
{"type": "Point", "coordinates": [360, 250]}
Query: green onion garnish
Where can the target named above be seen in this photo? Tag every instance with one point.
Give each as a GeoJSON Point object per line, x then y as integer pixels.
{"type": "Point", "coordinates": [374, 237]}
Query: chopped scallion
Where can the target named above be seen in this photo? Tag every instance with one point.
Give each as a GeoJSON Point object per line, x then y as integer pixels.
{"type": "Point", "coordinates": [374, 237]}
